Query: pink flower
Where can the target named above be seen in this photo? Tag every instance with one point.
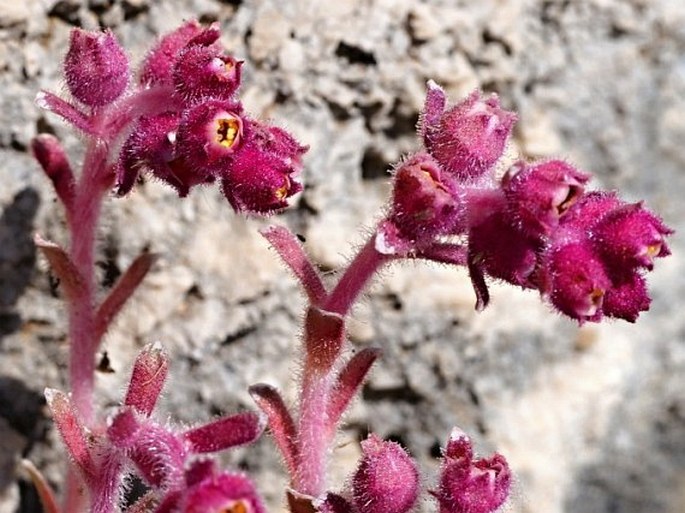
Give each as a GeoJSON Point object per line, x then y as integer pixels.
{"type": "Point", "coordinates": [424, 201]}
{"type": "Point", "coordinates": [627, 298]}
{"type": "Point", "coordinates": [631, 236]}
{"type": "Point", "coordinates": [540, 194]}
{"type": "Point", "coordinates": [261, 175]}
{"type": "Point", "coordinates": [204, 71]}
{"type": "Point", "coordinates": [578, 281]}
{"type": "Point", "coordinates": [469, 485]}
{"type": "Point", "coordinates": [159, 63]}
{"type": "Point", "coordinates": [226, 493]}
{"type": "Point", "coordinates": [387, 480]}
{"type": "Point", "coordinates": [210, 133]}
{"type": "Point", "coordinates": [468, 139]}
{"type": "Point", "coordinates": [152, 147]}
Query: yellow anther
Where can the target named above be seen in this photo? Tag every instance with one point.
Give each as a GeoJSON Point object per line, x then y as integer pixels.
{"type": "Point", "coordinates": [227, 131]}
{"type": "Point", "coordinates": [596, 296]}
{"type": "Point", "coordinates": [281, 193]}
{"type": "Point", "coordinates": [236, 507]}
{"type": "Point", "coordinates": [653, 250]}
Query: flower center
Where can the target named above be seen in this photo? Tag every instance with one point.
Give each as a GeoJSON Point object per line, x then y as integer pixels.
{"type": "Point", "coordinates": [236, 507]}
{"type": "Point", "coordinates": [227, 131]}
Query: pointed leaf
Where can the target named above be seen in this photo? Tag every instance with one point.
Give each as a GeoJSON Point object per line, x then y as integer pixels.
{"type": "Point", "coordinates": [71, 429]}
{"type": "Point", "coordinates": [300, 503]}
{"type": "Point", "coordinates": [45, 492]}
{"type": "Point", "coordinates": [433, 108]}
{"type": "Point", "coordinates": [50, 155]}
{"type": "Point", "coordinates": [291, 252]}
{"type": "Point", "coordinates": [67, 111]}
{"type": "Point", "coordinates": [324, 338]}
{"type": "Point", "coordinates": [149, 373]}
{"type": "Point", "coordinates": [445, 253]}
{"type": "Point", "coordinates": [349, 381]}
{"type": "Point", "coordinates": [478, 282]}
{"type": "Point", "coordinates": [280, 422]}
{"type": "Point", "coordinates": [60, 263]}
{"type": "Point", "coordinates": [225, 433]}
{"type": "Point", "coordinates": [122, 291]}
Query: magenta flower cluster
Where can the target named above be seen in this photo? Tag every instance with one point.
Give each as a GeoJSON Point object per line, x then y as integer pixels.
{"type": "Point", "coordinates": [181, 121]}
{"type": "Point", "coordinates": [535, 226]}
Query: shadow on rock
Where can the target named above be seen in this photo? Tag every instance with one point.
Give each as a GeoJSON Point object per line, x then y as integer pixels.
{"type": "Point", "coordinates": [17, 255]}
{"type": "Point", "coordinates": [22, 424]}
{"type": "Point", "coordinates": [641, 463]}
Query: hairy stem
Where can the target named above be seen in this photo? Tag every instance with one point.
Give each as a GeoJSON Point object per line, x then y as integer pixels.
{"type": "Point", "coordinates": [367, 262]}
{"type": "Point", "coordinates": [82, 224]}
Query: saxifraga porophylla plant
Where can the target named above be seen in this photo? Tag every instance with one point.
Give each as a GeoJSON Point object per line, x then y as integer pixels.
{"type": "Point", "coordinates": [179, 118]}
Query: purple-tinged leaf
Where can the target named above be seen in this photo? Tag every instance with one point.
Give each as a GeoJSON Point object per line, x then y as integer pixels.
{"type": "Point", "coordinates": [122, 291]}
{"type": "Point", "coordinates": [291, 252]}
{"type": "Point", "coordinates": [323, 338]}
{"type": "Point", "coordinates": [53, 103]}
{"type": "Point", "coordinates": [70, 278]}
{"type": "Point", "coordinates": [149, 373]}
{"type": "Point", "coordinates": [280, 422]}
{"type": "Point", "coordinates": [239, 429]}
{"type": "Point", "coordinates": [445, 253]}
{"type": "Point", "coordinates": [71, 430]}
{"type": "Point", "coordinates": [349, 380]}
{"type": "Point", "coordinates": [45, 492]}
{"type": "Point", "coordinates": [50, 155]}
{"type": "Point", "coordinates": [478, 282]}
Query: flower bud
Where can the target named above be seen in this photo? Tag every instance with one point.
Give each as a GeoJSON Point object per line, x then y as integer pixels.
{"type": "Point", "coordinates": [627, 298]}
{"type": "Point", "coordinates": [159, 63]}
{"type": "Point", "coordinates": [260, 176]}
{"type": "Point", "coordinates": [631, 236]}
{"type": "Point", "coordinates": [468, 485]}
{"type": "Point", "coordinates": [468, 139]}
{"type": "Point", "coordinates": [202, 71]}
{"type": "Point", "coordinates": [259, 182]}
{"type": "Point", "coordinates": [577, 281]}
{"type": "Point", "coordinates": [387, 480]}
{"type": "Point", "coordinates": [540, 194]}
{"type": "Point", "coordinates": [424, 204]}
{"type": "Point", "coordinates": [147, 379]}
{"type": "Point", "coordinates": [225, 493]}
{"type": "Point", "coordinates": [95, 67]}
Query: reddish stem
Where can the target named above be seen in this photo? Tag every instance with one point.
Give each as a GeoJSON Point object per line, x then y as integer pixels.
{"type": "Point", "coordinates": [367, 262]}
{"type": "Point", "coordinates": [82, 224]}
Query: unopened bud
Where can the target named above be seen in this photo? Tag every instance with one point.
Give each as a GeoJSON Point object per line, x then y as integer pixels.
{"type": "Point", "coordinates": [95, 67]}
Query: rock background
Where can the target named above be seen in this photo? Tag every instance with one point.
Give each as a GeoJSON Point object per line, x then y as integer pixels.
{"type": "Point", "coordinates": [592, 419]}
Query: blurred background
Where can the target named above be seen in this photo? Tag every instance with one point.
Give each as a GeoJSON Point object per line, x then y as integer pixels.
{"type": "Point", "coordinates": [592, 418]}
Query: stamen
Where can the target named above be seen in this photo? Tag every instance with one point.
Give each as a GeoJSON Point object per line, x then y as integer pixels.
{"type": "Point", "coordinates": [236, 507]}
{"type": "Point", "coordinates": [653, 250]}
{"type": "Point", "coordinates": [227, 131]}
